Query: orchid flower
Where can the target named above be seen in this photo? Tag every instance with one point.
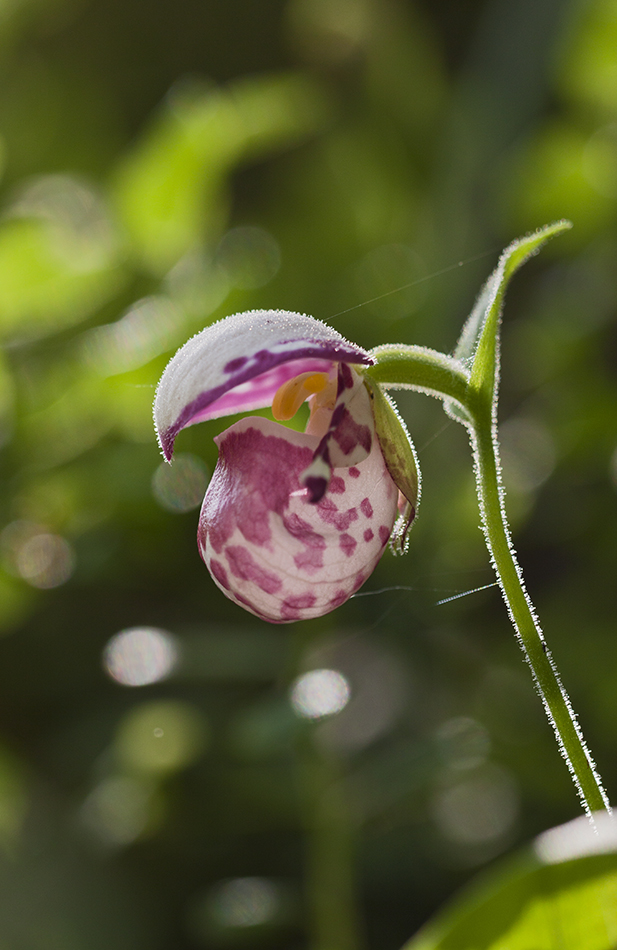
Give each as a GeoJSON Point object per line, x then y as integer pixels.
{"type": "Point", "coordinates": [292, 523]}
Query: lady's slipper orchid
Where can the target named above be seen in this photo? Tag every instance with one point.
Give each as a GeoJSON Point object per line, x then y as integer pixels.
{"type": "Point", "coordinates": [292, 523]}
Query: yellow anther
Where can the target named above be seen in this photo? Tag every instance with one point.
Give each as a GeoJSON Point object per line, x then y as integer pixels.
{"type": "Point", "coordinates": [290, 396]}
{"type": "Point", "coordinates": [315, 383]}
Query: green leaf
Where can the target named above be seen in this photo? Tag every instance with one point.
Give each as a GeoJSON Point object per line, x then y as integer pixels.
{"type": "Point", "coordinates": [479, 340]}
{"type": "Point", "coordinates": [400, 457]}
{"type": "Point", "coordinates": [50, 278]}
{"type": "Point", "coordinates": [561, 894]}
{"type": "Point", "coordinates": [170, 192]}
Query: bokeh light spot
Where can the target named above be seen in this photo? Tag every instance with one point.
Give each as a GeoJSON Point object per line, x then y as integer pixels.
{"type": "Point", "coordinates": [42, 559]}
{"type": "Point", "coordinates": [117, 810]}
{"type": "Point", "coordinates": [140, 655]}
{"type": "Point", "coordinates": [478, 810]}
{"type": "Point", "coordinates": [146, 330]}
{"type": "Point", "coordinates": [380, 691]}
{"type": "Point", "coordinates": [181, 486]}
{"type": "Point", "coordinates": [160, 737]}
{"type": "Point", "coordinates": [46, 561]}
{"type": "Point", "coordinates": [320, 693]}
{"type": "Point", "coordinates": [245, 902]}
{"type": "Point", "coordinates": [82, 232]}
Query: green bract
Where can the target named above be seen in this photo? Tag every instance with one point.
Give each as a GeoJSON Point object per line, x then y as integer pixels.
{"type": "Point", "coordinates": [399, 453]}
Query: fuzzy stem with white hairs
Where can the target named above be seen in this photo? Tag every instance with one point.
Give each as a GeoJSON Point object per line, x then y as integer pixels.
{"type": "Point", "coordinates": [468, 384]}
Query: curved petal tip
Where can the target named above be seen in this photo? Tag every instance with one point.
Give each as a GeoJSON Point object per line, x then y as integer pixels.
{"type": "Point", "coordinates": [237, 365]}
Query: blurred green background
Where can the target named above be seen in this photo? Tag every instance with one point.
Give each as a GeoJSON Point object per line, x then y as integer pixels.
{"type": "Point", "coordinates": [163, 784]}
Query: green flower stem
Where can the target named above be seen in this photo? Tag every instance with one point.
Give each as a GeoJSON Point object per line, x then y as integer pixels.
{"type": "Point", "coordinates": [554, 697]}
{"type": "Point", "coordinates": [471, 399]}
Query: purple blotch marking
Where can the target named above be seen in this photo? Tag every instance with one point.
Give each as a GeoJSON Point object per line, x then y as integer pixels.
{"type": "Point", "coordinates": [218, 571]}
{"type": "Point", "coordinates": [311, 559]}
{"type": "Point", "coordinates": [366, 508]}
{"type": "Point", "coordinates": [384, 534]}
{"type": "Point", "coordinates": [323, 450]}
{"type": "Point", "coordinates": [300, 601]}
{"type": "Point", "coordinates": [349, 433]}
{"type": "Point", "coordinates": [337, 485]}
{"type": "Point", "coordinates": [303, 531]}
{"type": "Point", "coordinates": [368, 535]}
{"type": "Point", "coordinates": [244, 566]}
{"type": "Point", "coordinates": [316, 487]}
{"type": "Point", "coordinates": [337, 416]}
{"type": "Point", "coordinates": [354, 472]}
{"type": "Point", "coordinates": [254, 477]}
{"type": "Point", "coordinates": [346, 375]}
{"type": "Point", "coordinates": [329, 513]}
{"type": "Point", "coordinates": [234, 365]}
{"type": "Point", "coordinates": [347, 544]}
{"type": "Point", "coordinates": [339, 598]}
{"type": "Point", "coordinates": [291, 606]}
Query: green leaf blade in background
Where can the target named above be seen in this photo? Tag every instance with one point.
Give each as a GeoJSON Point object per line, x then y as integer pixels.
{"type": "Point", "coordinates": [559, 895]}
{"type": "Point", "coordinates": [55, 271]}
{"type": "Point", "coordinates": [170, 191]}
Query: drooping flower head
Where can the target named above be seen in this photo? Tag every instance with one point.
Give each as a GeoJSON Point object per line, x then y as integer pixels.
{"type": "Point", "coordinates": [292, 523]}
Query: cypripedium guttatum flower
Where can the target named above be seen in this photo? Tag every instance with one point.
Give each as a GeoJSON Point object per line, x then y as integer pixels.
{"type": "Point", "coordinates": [292, 523]}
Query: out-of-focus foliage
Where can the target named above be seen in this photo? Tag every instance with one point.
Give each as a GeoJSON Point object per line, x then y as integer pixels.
{"type": "Point", "coordinates": [169, 766]}
{"type": "Point", "coordinates": [563, 892]}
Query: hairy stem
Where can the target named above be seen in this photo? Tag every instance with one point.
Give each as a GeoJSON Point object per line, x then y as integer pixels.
{"type": "Point", "coordinates": [554, 697]}
{"type": "Point", "coordinates": [468, 382]}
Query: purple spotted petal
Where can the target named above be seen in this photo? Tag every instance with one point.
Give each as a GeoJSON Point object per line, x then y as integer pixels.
{"type": "Point", "coordinates": [237, 365]}
{"type": "Point", "coordinates": [267, 547]}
